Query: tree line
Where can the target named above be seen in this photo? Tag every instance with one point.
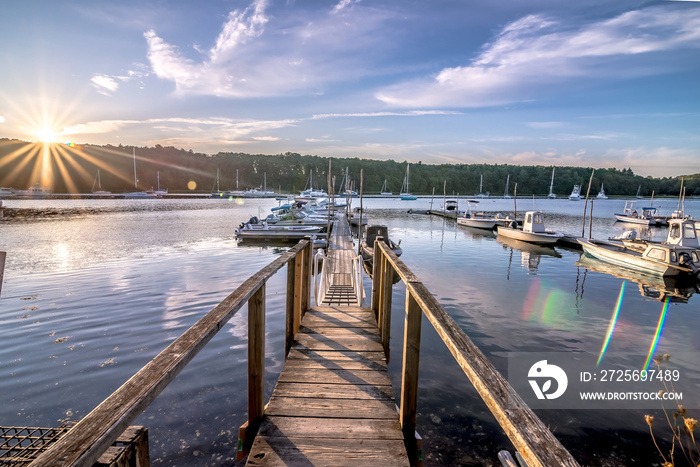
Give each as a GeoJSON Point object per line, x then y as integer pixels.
{"type": "Point", "coordinates": [74, 168]}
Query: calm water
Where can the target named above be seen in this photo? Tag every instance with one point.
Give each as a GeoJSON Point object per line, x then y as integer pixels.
{"type": "Point", "coordinates": [90, 298]}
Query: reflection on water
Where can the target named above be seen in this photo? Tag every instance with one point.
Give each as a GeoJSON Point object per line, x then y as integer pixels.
{"type": "Point", "coordinates": [89, 299]}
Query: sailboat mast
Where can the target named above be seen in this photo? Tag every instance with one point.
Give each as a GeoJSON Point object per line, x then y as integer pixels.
{"type": "Point", "coordinates": [551, 184]}
{"type": "Point", "coordinates": [407, 189]}
{"type": "Point", "coordinates": [236, 179]}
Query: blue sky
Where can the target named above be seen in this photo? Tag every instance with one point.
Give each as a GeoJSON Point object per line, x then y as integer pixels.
{"type": "Point", "coordinates": [587, 83]}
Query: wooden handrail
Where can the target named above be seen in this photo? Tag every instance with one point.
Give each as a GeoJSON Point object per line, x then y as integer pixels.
{"type": "Point", "coordinates": [90, 437]}
{"type": "Point", "coordinates": [529, 435]}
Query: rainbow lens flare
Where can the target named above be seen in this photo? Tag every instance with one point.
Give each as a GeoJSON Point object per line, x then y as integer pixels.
{"type": "Point", "coordinates": [613, 322]}
{"type": "Point", "coordinates": [657, 336]}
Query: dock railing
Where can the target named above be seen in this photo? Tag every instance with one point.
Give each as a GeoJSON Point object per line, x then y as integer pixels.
{"type": "Point", "coordinates": [529, 435]}
{"type": "Point", "coordinates": [83, 444]}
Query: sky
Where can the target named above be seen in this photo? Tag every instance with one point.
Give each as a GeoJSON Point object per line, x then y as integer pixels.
{"type": "Point", "coordinates": [543, 82]}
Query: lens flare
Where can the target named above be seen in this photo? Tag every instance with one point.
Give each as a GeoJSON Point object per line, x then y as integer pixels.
{"type": "Point", "coordinates": [613, 322]}
{"type": "Point", "coordinates": [657, 336]}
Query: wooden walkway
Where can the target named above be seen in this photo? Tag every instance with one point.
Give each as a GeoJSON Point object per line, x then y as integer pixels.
{"type": "Point", "coordinates": [340, 255]}
{"type": "Point", "coordinates": [333, 403]}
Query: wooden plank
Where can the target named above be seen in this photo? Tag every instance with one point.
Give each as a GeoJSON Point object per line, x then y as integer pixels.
{"type": "Point", "coordinates": [305, 358]}
{"type": "Point", "coordinates": [290, 328]}
{"type": "Point", "coordinates": [335, 331]}
{"type": "Point", "coordinates": [300, 427]}
{"type": "Point", "coordinates": [330, 408]}
{"type": "Point", "coordinates": [376, 377]}
{"type": "Point", "coordinates": [334, 391]}
{"type": "Point", "coordinates": [340, 343]}
{"type": "Point", "coordinates": [283, 451]}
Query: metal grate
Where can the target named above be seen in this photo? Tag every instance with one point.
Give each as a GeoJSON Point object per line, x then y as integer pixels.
{"type": "Point", "coordinates": [340, 295]}
{"type": "Point", "coordinates": [19, 446]}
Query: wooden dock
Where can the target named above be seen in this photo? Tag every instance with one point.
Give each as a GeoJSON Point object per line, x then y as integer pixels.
{"type": "Point", "coordinates": [333, 403]}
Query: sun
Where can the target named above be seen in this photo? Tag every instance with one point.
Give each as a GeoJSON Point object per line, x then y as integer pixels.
{"type": "Point", "coordinates": [46, 135]}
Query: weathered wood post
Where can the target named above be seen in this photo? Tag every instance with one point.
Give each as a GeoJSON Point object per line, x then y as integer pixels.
{"type": "Point", "coordinates": [291, 305]}
{"type": "Point", "coordinates": [409, 378]}
{"type": "Point", "coordinates": [308, 254]}
{"type": "Point", "coordinates": [256, 371]}
{"type": "Point", "coordinates": [376, 273]}
{"type": "Point", "coordinates": [385, 327]}
{"type": "Point", "coordinates": [2, 267]}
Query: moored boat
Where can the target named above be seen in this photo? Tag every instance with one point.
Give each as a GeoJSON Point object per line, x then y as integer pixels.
{"type": "Point", "coordinates": [601, 193]}
{"type": "Point", "coordinates": [254, 229]}
{"type": "Point", "coordinates": [372, 232]}
{"type": "Point", "coordinates": [477, 219]}
{"type": "Point", "coordinates": [405, 193]}
{"type": "Point", "coordinates": [630, 214]}
{"type": "Point", "coordinates": [533, 230]}
{"type": "Point", "coordinates": [575, 193]}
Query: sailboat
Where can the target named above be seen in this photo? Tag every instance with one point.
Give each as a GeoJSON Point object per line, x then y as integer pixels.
{"type": "Point", "coordinates": [98, 182]}
{"type": "Point", "coordinates": [138, 194]}
{"type": "Point", "coordinates": [601, 193]}
{"type": "Point", "coordinates": [481, 193]}
{"type": "Point", "coordinates": [345, 185]}
{"type": "Point", "coordinates": [310, 192]}
{"type": "Point", "coordinates": [384, 191]}
{"type": "Point", "coordinates": [639, 196]}
{"type": "Point", "coordinates": [505, 194]}
{"type": "Point", "coordinates": [160, 192]}
{"type": "Point", "coordinates": [405, 193]}
{"type": "Point", "coordinates": [551, 194]}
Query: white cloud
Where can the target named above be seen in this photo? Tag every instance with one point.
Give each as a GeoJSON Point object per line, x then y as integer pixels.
{"type": "Point", "coordinates": [257, 54]}
{"type": "Point", "coordinates": [534, 53]}
{"type": "Point", "coordinates": [411, 113]}
{"type": "Point", "coordinates": [266, 138]}
{"type": "Point", "coordinates": [343, 4]}
{"type": "Point", "coordinates": [105, 84]}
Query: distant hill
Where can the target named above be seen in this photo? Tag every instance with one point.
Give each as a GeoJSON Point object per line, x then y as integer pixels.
{"type": "Point", "coordinates": [73, 169]}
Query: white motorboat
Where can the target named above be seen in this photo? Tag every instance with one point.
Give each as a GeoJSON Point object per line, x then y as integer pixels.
{"type": "Point", "coordinates": [658, 259]}
{"type": "Point", "coordinates": [682, 232]}
{"type": "Point", "coordinates": [6, 192]}
{"type": "Point", "coordinates": [405, 193]}
{"type": "Point", "coordinates": [647, 216]}
{"type": "Point", "coordinates": [575, 193]}
{"type": "Point", "coordinates": [34, 191]}
{"type": "Point", "coordinates": [533, 230]}
{"type": "Point", "coordinates": [254, 229]}
{"type": "Point", "coordinates": [601, 193]}
{"type": "Point", "coordinates": [474, 218]}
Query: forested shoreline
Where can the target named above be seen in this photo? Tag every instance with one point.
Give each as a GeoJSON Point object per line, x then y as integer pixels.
{"type": "Point", "coordinates": [74, 169]}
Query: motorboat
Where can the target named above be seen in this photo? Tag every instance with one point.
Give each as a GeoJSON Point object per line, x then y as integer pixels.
{"type": "Point", "coordinates": [372, 232]}
{"type": "Point", "coordinates": [405, 193]}
{"type": "Point", "coordinates": [647, 216]}
{"type": "Point", "coordinates": [6, 192]}
{"type": "Point", "coordinates": [451, 206]}
{"type": "Point", "coordinates": [533, 230]}
{"type": "Point", "coordinates": [575, 193]}
{"type": "Point", "coordinates": [678, 256]}
{"type": "Point", "coordinates": [255, 229]}
{"type": "Point", "coordinates": [601, 193]}
{"type": "Point", "coordinates": [292, 214]}
{"type": "Point", "coordinates": [35, 191]}
{"type": "Point", "coordinates": [654, 287]}
{"type": "Point", "coordinates": [682, 232]}
{"type": "Point", "coordinates": [474, 218]}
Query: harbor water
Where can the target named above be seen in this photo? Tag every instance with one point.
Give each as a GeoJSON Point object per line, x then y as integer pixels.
{"type": "Point", "coordinates": [92, 292]}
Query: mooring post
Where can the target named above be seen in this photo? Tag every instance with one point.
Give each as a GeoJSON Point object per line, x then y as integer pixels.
{"type": "Point", "coordinates": [307, 255]}
{"type": "Point", "coordinates": [409, 378]}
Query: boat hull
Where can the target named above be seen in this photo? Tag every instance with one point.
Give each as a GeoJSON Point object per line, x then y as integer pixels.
{"type": "Point", "coordinates": [619, 255]}
{"type": "Point", "coordinates": [634, 220]}
{"type": "Point", "coordinates": [540, 238]}
{"type": "Point", "coordinates": [483, 223]}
